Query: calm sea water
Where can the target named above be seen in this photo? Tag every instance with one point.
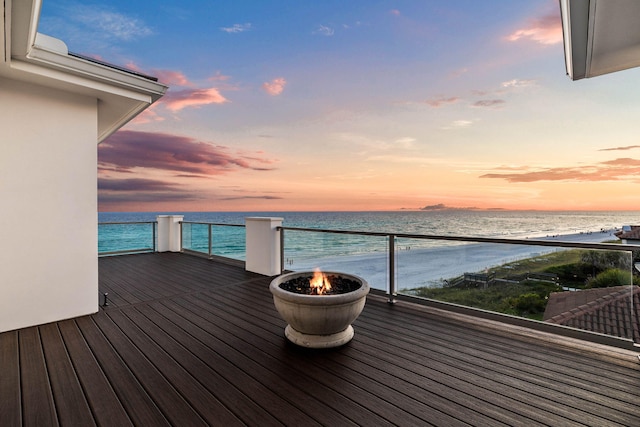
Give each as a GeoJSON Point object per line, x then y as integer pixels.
{"type": "Point", "coordinates": [229, 241]}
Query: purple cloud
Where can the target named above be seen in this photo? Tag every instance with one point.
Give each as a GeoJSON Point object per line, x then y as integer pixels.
{"type": "Point", "coordinates": [116, 193]}
{"type": "Point", "coordinates": [134, 184]}
{"type": "Point", "coordinates": [628, 147]}
{"type": "Point", "coordinates": [252, 197]}
{"type": "Point", "coordinates": [126, 150]}
{"type": "Point", "coordinates": [489, 103]}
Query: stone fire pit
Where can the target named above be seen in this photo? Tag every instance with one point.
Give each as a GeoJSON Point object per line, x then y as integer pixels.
{"type": "Point", "coordinates": [319, 320]}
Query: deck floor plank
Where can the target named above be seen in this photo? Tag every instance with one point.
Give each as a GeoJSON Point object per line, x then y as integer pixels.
{"type": "Point", "coordinates": [535, 378]}
{"type": "Point", "coordinates": [521, 377]}
{"type": "Point", "coordinates": [142, 333]}
{"type": "Point", "coordinates": [38, 407]}
{"type": "Point", "coordinates": [553, 362]}
{"type": "Point", "coordinates": [167, 398]}
{"type": "Point", "coordinates": [134, 398]}
{"type": "Point", "coordinates": [10, 393]}
{"type": "Point", "coordinates": [191, 341]}
{"type": "Point", "coordinates": [209, 367]}
{"type": "Point", "coordinates": [102, 398]}
{"type": "Point", "coordinates": [70, 401]}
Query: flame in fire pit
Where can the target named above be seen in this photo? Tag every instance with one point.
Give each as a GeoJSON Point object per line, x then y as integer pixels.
{"type": "Point", "coordinates": [319, 283]}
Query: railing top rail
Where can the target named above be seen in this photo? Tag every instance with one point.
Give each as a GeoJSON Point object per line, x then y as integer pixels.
{"type": "Point", "coordinates": [127, 222]}
{"type": "Point", "coordinates": [212, 223]}
{"type": "Point", "coordinates": [530, 242]}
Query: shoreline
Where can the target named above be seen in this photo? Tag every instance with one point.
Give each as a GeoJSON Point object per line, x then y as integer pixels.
{"type": "Point", "coordinates": [426, 266]}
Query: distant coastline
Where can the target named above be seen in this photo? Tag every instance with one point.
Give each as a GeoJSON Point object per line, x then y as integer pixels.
{"type": "Point", "coordinates": [443, 207]}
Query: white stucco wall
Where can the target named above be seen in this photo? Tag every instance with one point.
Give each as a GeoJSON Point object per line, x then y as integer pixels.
{"type": "Point", "coordinates": [48, 210]}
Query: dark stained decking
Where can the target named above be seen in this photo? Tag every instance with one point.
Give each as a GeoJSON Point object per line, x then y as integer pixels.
{"type": "Point", "coordinates": [187, 341]}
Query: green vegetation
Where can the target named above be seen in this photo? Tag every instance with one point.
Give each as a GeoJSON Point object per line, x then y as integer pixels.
{"type": "Point", "coordinates": [522, 288]}
{"type": "Point", "coordinates": [527, 299]}
{"type": "Point", "coordinates": [610, 277]}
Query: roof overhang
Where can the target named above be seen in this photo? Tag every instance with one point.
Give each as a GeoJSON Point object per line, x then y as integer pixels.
{"type": "Point", "coordinates": [600, 36]}
{"type": "Point", "coordinates": [36, 58]}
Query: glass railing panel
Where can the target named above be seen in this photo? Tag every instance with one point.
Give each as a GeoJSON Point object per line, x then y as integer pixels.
{"type": "Point", "coordinates": [365, 256]}
{"type": "Point", "coordinates": [580, 288]}
{"type": "Point", "coordinates": [215, 239]}
{"type": "Point", "coordinates": [187, 238]}
{"type": "Point", "coordinates": [229, 241]}
{"type": "Point", "coordinates": [195, 237]}
{"type": "Point", "coordinates": [126, 237]}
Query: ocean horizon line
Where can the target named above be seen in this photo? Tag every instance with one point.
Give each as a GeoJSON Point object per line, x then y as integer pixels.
{"type": "Point", "coordinates": [378, 210]}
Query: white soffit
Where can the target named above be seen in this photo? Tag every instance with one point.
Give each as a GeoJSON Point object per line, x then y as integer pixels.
{"type": "Point", "coordinates": [44, 60]}
{"type": "Point", "coordinates": [600, 36]}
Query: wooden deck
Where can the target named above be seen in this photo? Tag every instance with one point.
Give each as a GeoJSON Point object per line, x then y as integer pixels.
{"type": "Point", "coordinates": [187, 341]}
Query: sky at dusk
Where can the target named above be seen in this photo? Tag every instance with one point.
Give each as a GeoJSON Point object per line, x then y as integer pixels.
{"type": "Point", "coordinates": [356, 105]}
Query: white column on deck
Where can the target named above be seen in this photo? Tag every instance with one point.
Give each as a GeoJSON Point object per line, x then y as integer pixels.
{"type": "Point", "coordinates": [263, 245]}
{"type": "Point", "coordinates": [169, 237]}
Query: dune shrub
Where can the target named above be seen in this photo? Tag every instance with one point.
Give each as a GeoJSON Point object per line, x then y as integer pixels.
{"type": "Point", "coordinates": [610, 277]}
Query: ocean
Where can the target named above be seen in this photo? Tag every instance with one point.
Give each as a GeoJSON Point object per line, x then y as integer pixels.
{"type": "Point", "coordinates": [473, 223]}
{"type": "Point", "coordinates": [368, 255]}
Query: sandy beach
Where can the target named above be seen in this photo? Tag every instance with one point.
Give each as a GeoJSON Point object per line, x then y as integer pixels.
{"type": "Point", "coordinates": [422, 267]}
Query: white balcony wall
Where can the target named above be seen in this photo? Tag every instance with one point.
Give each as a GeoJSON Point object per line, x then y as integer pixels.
{"type": "Point", "coordinates": [48, 231]}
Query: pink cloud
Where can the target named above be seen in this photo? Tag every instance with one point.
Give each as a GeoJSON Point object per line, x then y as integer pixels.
{"type": "Point", "coordinates": [178, 100]}
{"type": "Point", "coordinates": [275, 86]}
{"type": "Point", "coordinates": [218, 77]}
{"type": "Point", "coordinates": [167, 77]}
{"type": "Point", "coordinates": [440, 102]}
{"type": "Point", "coordinates": [624, 162]}
{"type": "Point", "coordinates": [546, 30]}
{"type": "Point", "coordinates": [126, 150]}
{"type": "Point", "coordinates": [148, 116]}
{"type": "Point", "coordinates": [171, 78]}
{"type": "Point", "coordinates": [612, 170]}
{"type": "Point", "coordinates": [395, 12]}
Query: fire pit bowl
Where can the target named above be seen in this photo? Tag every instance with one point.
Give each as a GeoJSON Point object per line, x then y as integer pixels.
{"type": "Point", "coordinates": [319, 321]}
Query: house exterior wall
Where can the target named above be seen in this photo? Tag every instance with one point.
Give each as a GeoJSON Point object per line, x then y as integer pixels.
{"type": "Point", "coordinates": [48, 215]}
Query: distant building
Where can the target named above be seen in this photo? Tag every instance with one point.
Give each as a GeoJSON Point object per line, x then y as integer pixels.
{"type": "Point", "coordinates": [630, 235]}
{"type": "Point", "coordinates": [603, 310]}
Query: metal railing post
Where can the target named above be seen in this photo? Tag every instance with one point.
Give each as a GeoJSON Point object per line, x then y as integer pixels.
{"type": "Point", "coordinates": [153, 233]}
{"type": "Point", "coordinates": [210, 242]}
{"type": "Point", "coordinates": [392, 269]}
{"type": "Point", "coordinates": [281, 249]}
